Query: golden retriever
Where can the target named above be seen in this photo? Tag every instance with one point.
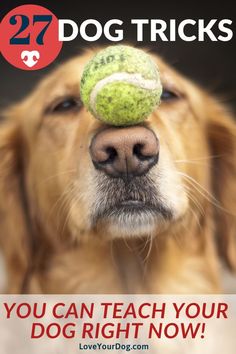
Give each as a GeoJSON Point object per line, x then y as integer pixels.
{"type": "Point", "coordinates": [87, 208]}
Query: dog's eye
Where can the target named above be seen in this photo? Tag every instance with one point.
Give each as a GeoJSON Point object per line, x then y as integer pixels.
{"type": "Point", "coordinates": [168, 95]}
{"type": "Point", "coordinates": [66, 105]}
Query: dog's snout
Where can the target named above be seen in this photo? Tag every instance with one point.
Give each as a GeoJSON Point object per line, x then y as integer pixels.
{"type": "Point", "coordinates": [125, 152]}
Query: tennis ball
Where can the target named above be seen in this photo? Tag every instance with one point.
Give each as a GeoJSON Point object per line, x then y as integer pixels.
{"type": "Point", "coordinates": [121, 85]}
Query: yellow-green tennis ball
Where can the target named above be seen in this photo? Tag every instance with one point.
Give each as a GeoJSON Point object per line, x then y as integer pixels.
{"type": "Point", "coordinates": [121, 85]}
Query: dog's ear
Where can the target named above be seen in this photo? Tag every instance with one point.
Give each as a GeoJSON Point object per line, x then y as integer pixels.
{"type": "Point", "coordinates": [222, 137]}
{"type": "Point", "coordinates": [14, 233]}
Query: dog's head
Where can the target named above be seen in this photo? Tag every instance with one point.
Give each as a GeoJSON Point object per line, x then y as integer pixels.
{"type": "Point", "coordinates": [79, 178]}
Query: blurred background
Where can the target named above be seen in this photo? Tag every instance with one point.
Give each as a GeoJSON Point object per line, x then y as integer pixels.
{"type": "Point", "coordinates": [210, 64]}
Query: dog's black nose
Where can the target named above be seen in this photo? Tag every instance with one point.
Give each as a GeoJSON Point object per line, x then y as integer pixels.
{"type": "Point", "coordinates": [125, 152]}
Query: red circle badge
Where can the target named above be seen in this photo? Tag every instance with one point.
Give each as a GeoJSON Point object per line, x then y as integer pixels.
{"type": "Point", "coordinates": [29, 37]}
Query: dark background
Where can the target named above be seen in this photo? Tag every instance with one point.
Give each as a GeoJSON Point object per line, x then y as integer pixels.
{"type": "Point", "coordinates": [211, 64]}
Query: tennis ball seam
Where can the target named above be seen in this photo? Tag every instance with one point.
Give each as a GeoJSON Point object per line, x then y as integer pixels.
{"type": "Point", "coordinates": [133, 79]}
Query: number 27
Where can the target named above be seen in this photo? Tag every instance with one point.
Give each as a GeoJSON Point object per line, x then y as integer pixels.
{"type": "Point", "coordinates": [25, 23]}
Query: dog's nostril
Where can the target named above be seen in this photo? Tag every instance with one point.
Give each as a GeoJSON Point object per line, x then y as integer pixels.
{"type": "Point", "coordinates": [137, 151]}
{"type": "Point", "coordinates": [111, 154]}
{"type": "Point", "coordinates": [145, 154]}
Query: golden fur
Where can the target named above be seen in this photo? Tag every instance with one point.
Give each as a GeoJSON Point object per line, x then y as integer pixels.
{"type": "Point", "coordinates": [48, 187]}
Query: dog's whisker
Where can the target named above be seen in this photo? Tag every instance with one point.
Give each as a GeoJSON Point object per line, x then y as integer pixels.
{"type": "Point", "coordinates": [192, 211]}
{"type": "Point", "coordinates": [150, 239]}
{"type": "Point", "coordinates": [72, 203]}
{"type": "Point", "coordinates": [205, 193]}
{"type": "Point", "coordinates": [63, 201]}
{"type": "Point", "coordinates": [192, 162]}
{"type": "Point", "coordinates": [194, 200]}
{"type": "Point", "coordinates": [209, 157]}
{"type": "Point", "coordinates": [178, 238]}
{"type": "Point", "coordinates": [207, 196]}
{"type": "Point", "coordinates": [126, 243]}
{"type": "Point", "coordinates": [59, 199]}
{"type": "Point", "coordinates": [57, 175]}
{"type": "Point", "coordinates": [66, 202]}
{"type": "Point", "coordinates": [195, 184]}
{"type": "Point", "coordinates": [142, 250]}
{"type": "Point", "coordinates": [65, 209]}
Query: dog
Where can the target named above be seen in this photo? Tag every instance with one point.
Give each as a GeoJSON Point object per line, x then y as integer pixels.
{"type": "Point", "coordinates": [90, 208]}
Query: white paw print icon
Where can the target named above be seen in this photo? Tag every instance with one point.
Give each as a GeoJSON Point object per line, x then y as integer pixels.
{"type": "Point", "coordinates": [30, 58]}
